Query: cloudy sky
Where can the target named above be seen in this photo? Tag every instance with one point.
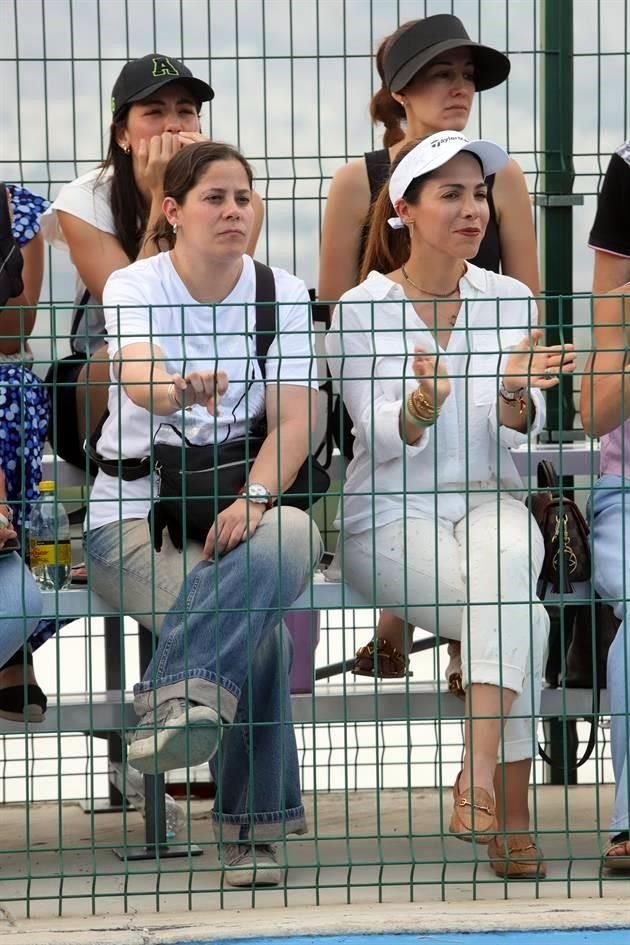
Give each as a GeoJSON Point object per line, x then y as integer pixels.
{"type": "Point", "coordinates": [293, 79]}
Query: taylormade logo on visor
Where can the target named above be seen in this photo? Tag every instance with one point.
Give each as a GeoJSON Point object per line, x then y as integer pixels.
{"type": "Point", "coordinates": [441, 141]}
{"type": "Point", "coordinates": [420, 161]}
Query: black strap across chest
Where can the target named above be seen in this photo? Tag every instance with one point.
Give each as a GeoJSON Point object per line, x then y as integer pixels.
{"type": "Point", "coordinates": [266, 327]}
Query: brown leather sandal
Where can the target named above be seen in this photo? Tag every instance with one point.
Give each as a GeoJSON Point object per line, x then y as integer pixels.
{"type": "Point", "coordinates": [454, 670]}
{"type": "Point", "coordinates": [617, 862]}
{"type": "Point", "coordinates": [474, 815]}
{"type": "Point", "coordinates": [390, 663]}
{"type": "Point", "coordinates": [455, 685]}
{"type": "Point", "coordinates": [519, 858]}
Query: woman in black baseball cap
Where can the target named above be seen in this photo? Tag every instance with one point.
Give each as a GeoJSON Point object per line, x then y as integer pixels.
{"type": "Point", "coordinates": [430, 70]}
{"type": "Point", "coordinates": [102, 217]}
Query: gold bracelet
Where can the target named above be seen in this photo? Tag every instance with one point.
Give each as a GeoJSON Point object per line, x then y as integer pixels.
{"type": "Point", "coordinates": [414, 421]}
{"type": "Point", "coordinates": [421, 407]}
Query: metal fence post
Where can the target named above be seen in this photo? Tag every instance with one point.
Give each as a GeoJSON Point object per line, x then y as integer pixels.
{"type": "Point", "coordinates": [557, 202]}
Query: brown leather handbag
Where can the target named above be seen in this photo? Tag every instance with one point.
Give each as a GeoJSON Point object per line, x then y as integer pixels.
{"type": "Point", "coordinates": [565, 533]}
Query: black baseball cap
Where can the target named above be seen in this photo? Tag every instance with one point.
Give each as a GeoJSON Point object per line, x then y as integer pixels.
{"type": "Point", "coordinates": [417, 43]}
{"type": "Point", "coordinates": [140, 77]}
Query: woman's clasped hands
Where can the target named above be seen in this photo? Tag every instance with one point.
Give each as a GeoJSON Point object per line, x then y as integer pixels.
{"type": "Point", "coordinates": [153, 154]}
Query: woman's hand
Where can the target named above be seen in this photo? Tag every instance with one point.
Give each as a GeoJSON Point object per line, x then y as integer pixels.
{"type": "Point", "coordinates": [8, 532]}
{"type": "Point", "coordinates": [432, 376]}
{"type": "Point", "coordinates": [533, 365]}
{"type": "Point", "coordinates": [154, 154]}
{"type": "Point", "coordinates": [232, 526]}
{"type": "Point", "coordinates": [200, 387]}
{"type": "Point", "coordinates": [191, 137]}
{"type": "Point", "coordinates": [151, 158]}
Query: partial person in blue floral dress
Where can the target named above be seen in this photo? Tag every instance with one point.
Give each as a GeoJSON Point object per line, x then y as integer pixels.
{"type": "Point", "coordinates": [23, 398]}
{"type": "Point", "coordinates": [23, 428]}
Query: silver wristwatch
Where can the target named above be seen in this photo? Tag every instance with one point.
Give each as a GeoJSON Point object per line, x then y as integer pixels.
{"type": "Point", "coordinates": [258, 493]}
{"type": "Point", "coordinates": [512, 395]}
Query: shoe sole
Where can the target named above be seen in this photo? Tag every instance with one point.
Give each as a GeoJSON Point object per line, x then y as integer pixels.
{"type": "Point", "coordinates": [249, 877]}
{"type": "Point", "coordinates": [31, 714]}
{"type": "Point", "coordinates": [193, 743]}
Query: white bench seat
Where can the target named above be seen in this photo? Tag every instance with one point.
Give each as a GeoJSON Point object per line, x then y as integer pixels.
{"type": "Point", "coordinates": [352, 702]}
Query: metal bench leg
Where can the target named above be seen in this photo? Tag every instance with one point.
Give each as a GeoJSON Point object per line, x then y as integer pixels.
{"type": "Point", "coordinates": [113, 681]}
{"type": "Point", "coordinates": [155, 845]}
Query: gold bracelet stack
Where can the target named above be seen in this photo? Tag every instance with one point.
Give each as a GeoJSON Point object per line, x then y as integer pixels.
{"type": "Point", "coordinates": [420, 411]}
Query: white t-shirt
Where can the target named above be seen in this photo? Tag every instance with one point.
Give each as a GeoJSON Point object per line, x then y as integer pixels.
{"type": "Point", "coordinates": [88, 198]}
{"type": "Point", "coordinates": [193, 337]}
{"type": "Point", "coordinates": [370, 348]}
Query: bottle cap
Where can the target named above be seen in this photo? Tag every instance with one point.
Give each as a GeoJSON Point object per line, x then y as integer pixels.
{"type": "Point", "coordinates": [47, 485]}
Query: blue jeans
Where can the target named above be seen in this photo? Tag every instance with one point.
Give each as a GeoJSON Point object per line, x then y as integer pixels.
{"type": "Point", "coordinates": [20, 605]}
{"type": "Point", "coordinates": [222, 644]}
{"type": "Point", "coordinates": [610, 512]}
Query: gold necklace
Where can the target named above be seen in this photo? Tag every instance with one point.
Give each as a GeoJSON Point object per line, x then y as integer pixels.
{"type": "Point", "coordinates": [437, 295]}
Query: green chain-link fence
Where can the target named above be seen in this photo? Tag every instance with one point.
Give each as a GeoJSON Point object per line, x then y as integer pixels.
{"type": "Point", "coordinates": [293, 81]}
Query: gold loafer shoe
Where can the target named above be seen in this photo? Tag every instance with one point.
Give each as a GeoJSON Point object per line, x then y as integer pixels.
{"type": "Point", "coordinates": [518, 858]}
{"type": "Point", "coordinates": [474, 815]}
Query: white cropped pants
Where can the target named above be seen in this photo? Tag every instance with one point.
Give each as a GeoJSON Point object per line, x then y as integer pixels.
{"type": "Point", "coordinates": [474, 581]}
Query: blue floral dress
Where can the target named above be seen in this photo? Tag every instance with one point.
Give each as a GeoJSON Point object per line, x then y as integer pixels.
{"type": "Point", "coordinates": [23, 398]}
{"type": "Point", "coordinates": [23, 402]}
{"type": "Point", "coordinates": [27, 209]}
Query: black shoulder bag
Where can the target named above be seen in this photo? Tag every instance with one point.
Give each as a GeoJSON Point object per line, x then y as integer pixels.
{"type": "Point", "coordinates": [195, 483]}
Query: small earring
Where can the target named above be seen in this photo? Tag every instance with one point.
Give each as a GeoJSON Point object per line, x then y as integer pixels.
{"type": "Point", "coordinates": [174, 228]}
{"type": "Point", "coordinates": [126, 148]}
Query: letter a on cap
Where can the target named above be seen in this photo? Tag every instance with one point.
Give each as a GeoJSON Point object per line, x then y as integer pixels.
{"type": "Point", "coordinates": [163, 66]}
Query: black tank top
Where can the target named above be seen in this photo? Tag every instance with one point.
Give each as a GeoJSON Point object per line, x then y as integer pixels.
{"type": "Point", "coordinates": [489, 255]}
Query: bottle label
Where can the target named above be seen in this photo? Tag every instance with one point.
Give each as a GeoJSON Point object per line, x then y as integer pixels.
{"type": "Point", "coordinates": [47, 553]}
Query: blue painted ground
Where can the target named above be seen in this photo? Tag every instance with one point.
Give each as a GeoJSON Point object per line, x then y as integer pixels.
{"type": "Point", "coordinates": [578, 937]}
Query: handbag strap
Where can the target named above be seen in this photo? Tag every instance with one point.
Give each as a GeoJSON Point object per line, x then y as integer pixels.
{"type": "Point", "coordinates": [547, 475]}
{"type": "Point", "coordinates": [266, 322]}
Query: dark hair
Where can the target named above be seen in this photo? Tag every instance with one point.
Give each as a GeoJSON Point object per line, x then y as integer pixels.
{"type": "Point", "coordinates": [183, 172]}
{"type": "Point", "coordinates": [128, 205]}
{"type": "Point", "coordinates": [387, 249]}
{"type": "Point", "coordinates": [384, 108]}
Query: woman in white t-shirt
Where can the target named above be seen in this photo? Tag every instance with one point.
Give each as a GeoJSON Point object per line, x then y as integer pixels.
{"type": "Point", "coordinates": [181, 339]}
{"type": "Point", "coordinates": [441, 379]}
{"type": "Point", "coordinates": [103, 219]}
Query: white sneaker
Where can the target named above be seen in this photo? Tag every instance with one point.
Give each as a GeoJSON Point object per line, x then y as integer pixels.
{"type": "Point", "coordinates": [179, 734]}
{"type": "Point", "coordinates": [246, 865]}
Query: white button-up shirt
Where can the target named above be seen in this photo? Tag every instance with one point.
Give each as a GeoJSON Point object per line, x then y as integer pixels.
{"type": "Point", "coordinates": [370, 349]}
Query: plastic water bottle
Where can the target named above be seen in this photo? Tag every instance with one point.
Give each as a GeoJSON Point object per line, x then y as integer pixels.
{"type": "Point", "coordinates": [49, 540]}
{"type": "Point", "coordinates": [130, 783]}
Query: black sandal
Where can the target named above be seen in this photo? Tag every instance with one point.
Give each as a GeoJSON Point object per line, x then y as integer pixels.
{"type": "Point", "coordinates": [12, 704]}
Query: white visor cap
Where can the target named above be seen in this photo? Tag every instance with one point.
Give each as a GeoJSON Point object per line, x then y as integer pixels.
{"type": "Point", "coordinates": [433, 152]}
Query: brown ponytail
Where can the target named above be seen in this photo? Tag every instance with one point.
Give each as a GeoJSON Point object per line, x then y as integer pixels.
{"type": "Point", "coordinates": [387, 249]}
{"type": "Point", "coordinates": [162, 235]}
{"type": "Point", "coordinates": [384, 108]}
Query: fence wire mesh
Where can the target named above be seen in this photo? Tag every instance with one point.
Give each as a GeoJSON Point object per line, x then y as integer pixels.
{"type": "Point", "coordinates": [377, 758]}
